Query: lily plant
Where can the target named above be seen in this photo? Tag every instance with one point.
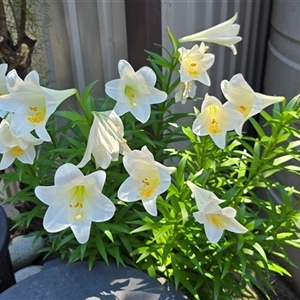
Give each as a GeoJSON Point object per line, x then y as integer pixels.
{"type": "Point", "coordinates": [125, 179]}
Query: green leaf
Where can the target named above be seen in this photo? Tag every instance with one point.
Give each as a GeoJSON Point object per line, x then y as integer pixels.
{"type": "Point", "coordinates": [175, 43]}
{"type": "Point", "coordinates": [261, 251]}
{"type": "Point", "coordinates": [101, 247]}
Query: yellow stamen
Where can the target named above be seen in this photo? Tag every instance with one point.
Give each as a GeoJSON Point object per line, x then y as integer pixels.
{"type": "Point", "coordinates": [217, 220]}
{"type": "Point", "coordinates": [244, 110]}
{"type": "Point", "coordinates": [193, 69]}
{"type": "Point", "coordinates": [131, 94]}
{"type": "Point", "coordinates": [213, 127]}
{"type": "Point", "coordinates": [149, 186]}
{"type": "Point", "coordinates": [35, 115]}
{"type": "Point", "coordinates": [17, 151]}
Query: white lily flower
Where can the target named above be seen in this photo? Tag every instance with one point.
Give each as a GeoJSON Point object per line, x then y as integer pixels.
{"type": "Point", "coordinates": [31, 104]}
{"type": "Point", "coordinates": [148, 179]}
{"type": "Point", "coordinates": [224, 34]}
{"type": "Point", "coordinates": [242, 98]}
{"type": "Point", "coordinates": [12, 147]}
{"type": "Point", "coordinates": [185, 90]}
{"type": "Point", "coordinates": [217, 219]}
{"type": "Point", "coordinates": [215, 119]}
{"type": "Point", "coordinates": [75, 201]}
{"type": "Point", "coordinates": [105, 140]}
{"type": "Point", "coordinates": [134, 91]}
{"type": "Point", "coordinates": [194, 64]}
{"type": "Point", "coordinates": [3, 88]}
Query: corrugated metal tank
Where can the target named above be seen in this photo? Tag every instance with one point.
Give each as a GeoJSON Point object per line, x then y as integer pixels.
{"type": "Point", "coordinates": [282, 77]}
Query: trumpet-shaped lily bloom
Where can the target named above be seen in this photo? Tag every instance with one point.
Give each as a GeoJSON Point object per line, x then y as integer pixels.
{"type": "Point", "coordinates": [31, 104]}
{"type": "Point", "coordinates": [217, 219]}
{"type": "Point", "coordinates": [224, 34]}
{"type": "Point", "coordinates": [148, 179]}
{"type": "Point", "coordinates": [194, 64]}
{"type": "Point", "coordinates": [185, 90]}
{"type": "Point", "coordinates": [214, 218]}
{"type": "Point", "coordinates": [75, 201]}
{"type": "Point", "coordinates": [12, 147]}
{"type": "Point", "coordinates": [134, 91]}
{"type": "Point", "coordinates": [105, 140]}
{"type": "Point", "coordinates": [215, 119]}
{"type": "Point", "coordinates": [3, 88]}
{"type": "Point", "coordinates": [242, 98]}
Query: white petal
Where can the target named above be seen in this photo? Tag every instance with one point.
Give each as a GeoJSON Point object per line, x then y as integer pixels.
{"type": "Point", "coordinates": [28, 155]}
{"type": "Point", "coordinates": [121, 108]}
{"type": "Point", "coordinates": [125, 68]}
{"type": "Point", "coordinates": [68, 175]}
{"type": "Point", "coordinates": [268, 100]}
{"type": "Point", "coordinates": [212, 232]}
{"type": "Point", "coordinates": [141, 112]}
{"type": "Point", "coordinates": [58, 96]}
{"type": "Point", "coordinates": [16, 85]}
{"type": "Point", "coordinates": [128, 191]}
{"type": "Point", "coordinates": [50, 194]}
{"type": "Point", "coordinates": [42, 133]}
{"type": "Point", "coordinates": [33, 78]}
{"type": "Point", "coordinates": [115, 89]}
{"type": "Point", "coordinates": [7, 160]}
{"type": "Point", "coordinates": [219, 139]}
{"type": "Point", "coordinates": [199, 217]}
{"type": "Point", "coordinates": [96, 178]}
{"type": "Point", "coordinates": [56, 218]}
{"type": "Point", "coordinates": [3, 68]}
{"type": "Point", "coordinates": [157, 96]}
{"type": "Point", "coordinates": [148, 77]}
{"type": "Point", "coordinates": [101, 208]}
{"type": "Point", "coordinates": [81, 230]}
{"type": "Point", "coordinates": [229, 212]}
{"type": "Point", "coordinates": [202, 196]}
{"type": "Point", "coordinates": [150, 206]}
{"type": "Point", "coordinates": [234, 226]}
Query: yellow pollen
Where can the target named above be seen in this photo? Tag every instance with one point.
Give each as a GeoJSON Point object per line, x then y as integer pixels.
{"type": "Point", "coordinates": [132, 95]}
{"type": "Point", "coordinates": [193, 64]}
{"type": "Point", "coordinates": [16, 151]}
{"type": "Point", "coordinates": [33, 108]}
{"type": "Point", "coordinates": [213, 127]}
{"type": "Point", "coordinates": [35, 116]}
{"type": "Point", "coordinates": [217, 220]}
{"type": "Point", "coordinates": [244, 110]}
{"type": "Point", "coordinates": [149, 187]}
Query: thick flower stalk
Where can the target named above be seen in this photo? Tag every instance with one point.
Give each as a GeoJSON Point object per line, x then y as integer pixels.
{"type": "Point", "coordinates": [12, 147]}
{"type": "Point", "coordinates": [148, 179]}
{"type": "Point", "coordinates": [75, 201]}
{"type": "Point", "coordinates": [214, 218]}
{"type": "Point", "coordinates": [224, 34]}
{"type": "Point", "coordinates": [242, 98]}
{"type": "Point", "coordinates": [215, 120]}
{"type": "Point", "coordinates": [195, 63]}
{"type": "Point", "coordinates": [134, 91]}
{"type": "Point", "coordinates": [105, 140]}
{"type": "Point", "coordinates": [185, 90]}
{"type": "Point", "coordinates": [31, 104]}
